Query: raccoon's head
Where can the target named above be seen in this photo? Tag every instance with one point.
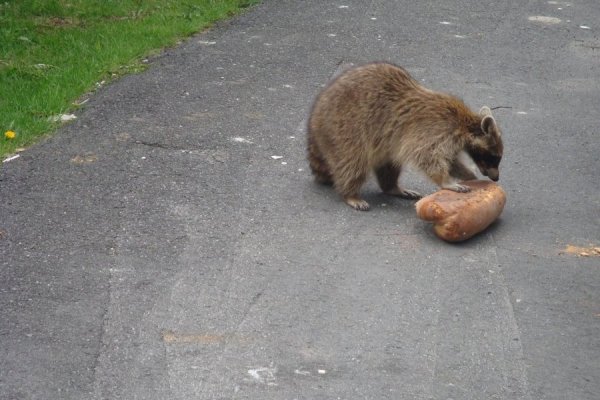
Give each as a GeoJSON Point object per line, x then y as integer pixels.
{"type": "Point", "coordinates": [485, 146]}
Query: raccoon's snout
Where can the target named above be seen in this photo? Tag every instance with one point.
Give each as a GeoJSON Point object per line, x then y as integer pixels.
{"type": "Point", "coordinates": [493, 174]}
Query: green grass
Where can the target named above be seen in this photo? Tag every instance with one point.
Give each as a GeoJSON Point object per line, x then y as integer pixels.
{"type": "Point", "coordinates": [54, 51]}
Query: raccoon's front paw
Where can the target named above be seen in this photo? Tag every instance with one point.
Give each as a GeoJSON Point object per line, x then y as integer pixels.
{"type": "Point", "coordinates": [357, 203]}
{"type": "Point", "coordinates": [457, 187]}
{"type": "Point", "coordinates": [410, 194]}
{"type": "Point", "coordinates": [404, 193]}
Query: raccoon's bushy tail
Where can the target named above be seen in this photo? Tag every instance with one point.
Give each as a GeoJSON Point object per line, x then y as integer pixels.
{"type": "Point", "coordinates": [317, 163]}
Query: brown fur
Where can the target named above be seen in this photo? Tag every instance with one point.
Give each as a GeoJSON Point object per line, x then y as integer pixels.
{"type": "Point", "coordinates": [377, 118]}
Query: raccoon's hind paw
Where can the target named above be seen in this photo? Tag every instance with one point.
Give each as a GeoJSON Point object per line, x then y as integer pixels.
{"type": "Point", "coordinates": [357, 203]}
{"type": "Point", "coordinates": [457, 187]}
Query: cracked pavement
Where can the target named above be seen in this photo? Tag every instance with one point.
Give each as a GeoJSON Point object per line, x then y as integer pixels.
{"type": "Point", "coordinates": [170, 242]}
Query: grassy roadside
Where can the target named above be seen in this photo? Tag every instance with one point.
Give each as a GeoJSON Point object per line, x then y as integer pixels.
{"type": "Point", "coordinates": [54, 51]}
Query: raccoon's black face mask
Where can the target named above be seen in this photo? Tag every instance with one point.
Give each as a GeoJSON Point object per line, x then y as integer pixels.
{"type": "Point", "coordinates": [487, 163]}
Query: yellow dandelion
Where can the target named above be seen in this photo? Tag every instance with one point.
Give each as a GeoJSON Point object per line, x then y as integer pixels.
{"type": "Point", "coordinates": [10, 134]}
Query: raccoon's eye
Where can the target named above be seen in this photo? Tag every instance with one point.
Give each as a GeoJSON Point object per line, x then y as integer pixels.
{"type": "Point", "coordinates": [487, 159]}
{"type": "Point", "coordinates": [492, 160]}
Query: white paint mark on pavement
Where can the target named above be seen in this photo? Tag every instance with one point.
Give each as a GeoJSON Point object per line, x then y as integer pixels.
{"type": "Point", "coordinates": [544, 20]}
{"type": "Point", "coordinates": [241, 140]}
{"type": "Point", "coordinates": [584, 27]}
{"type": "Point", "coordinates": [301, 372]}
{"type": "Point", "coordinates": [276, 157]}
{"type": "Point", "coordinates": [11, 158]}
{"type": "Point", "coordinates": [264, 375]}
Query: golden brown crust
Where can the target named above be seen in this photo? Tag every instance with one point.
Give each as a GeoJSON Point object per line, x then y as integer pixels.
{"type": "Point", "coordinates": [459, 216]}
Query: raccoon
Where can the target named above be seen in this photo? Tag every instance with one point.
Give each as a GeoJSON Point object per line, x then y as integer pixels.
{"type": "Point", "coordinates": [376, 117]}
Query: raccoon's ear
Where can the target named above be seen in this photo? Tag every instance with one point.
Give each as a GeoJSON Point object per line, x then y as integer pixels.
{"type": "Point", "coordinates": [488, 126]}
{"type": "Point", "coordinates": [485, 111]}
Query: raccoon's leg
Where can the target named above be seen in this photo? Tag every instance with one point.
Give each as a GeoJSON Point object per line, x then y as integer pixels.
{"type": "Point", "coordinates": [439, 173]}
{"type": "Point", "coordinates": [460, 171]}
{"type": "Point", "coordinates": [445, 181]}
{"type": "Point", "coordinates": [349, 176]}
{"type": "Point", "coordinates": [387, 176]}
{"type": "Point", "coordinates": [318, 165]}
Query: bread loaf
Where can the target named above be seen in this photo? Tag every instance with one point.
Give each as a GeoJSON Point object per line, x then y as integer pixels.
{"type": "Point", "coordinates": [459, 216]}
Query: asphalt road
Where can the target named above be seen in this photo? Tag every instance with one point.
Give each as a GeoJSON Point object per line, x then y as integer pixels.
{"type": "Point", "coordinates": [155, 249]}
